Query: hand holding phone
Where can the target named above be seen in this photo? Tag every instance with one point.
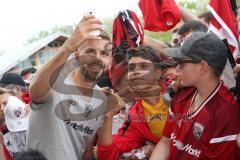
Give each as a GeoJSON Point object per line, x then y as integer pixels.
{"type": "Point", "coordinates": [94, 32]}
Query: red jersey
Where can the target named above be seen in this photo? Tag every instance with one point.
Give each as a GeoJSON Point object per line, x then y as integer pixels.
{"type": "Point", "coordinates": [134, 132]}
{"type": "Point", "coordinates": [210, 132]}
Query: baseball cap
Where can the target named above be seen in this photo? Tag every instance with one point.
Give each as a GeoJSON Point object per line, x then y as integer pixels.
{"type": "Point", "coordinates": [201, 46]}
{"type": "Point", "coordinates": [15, 114]}
{"type": "Point", "coordinates": [12, 78]}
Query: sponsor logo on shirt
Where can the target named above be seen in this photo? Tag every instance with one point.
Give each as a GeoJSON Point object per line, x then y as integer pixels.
{"type": "Point", "coordinates": [79, 127]}
{"type": "Point", "coordinates": [62, 109]}
{"type": "Point", "coordinates": [88, 110]}
{"type": "Point", "coordinates": [187, 148]}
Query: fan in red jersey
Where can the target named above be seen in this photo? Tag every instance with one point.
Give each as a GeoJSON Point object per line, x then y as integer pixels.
{"type": "Point", "coordinates": [203, 120]}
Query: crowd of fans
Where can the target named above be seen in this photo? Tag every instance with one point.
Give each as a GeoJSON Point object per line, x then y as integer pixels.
{"type": "Point", "coordinates": [129, 97]}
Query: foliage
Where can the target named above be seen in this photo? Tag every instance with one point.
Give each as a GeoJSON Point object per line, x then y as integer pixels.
{"type": "Point", "coordinates": [194, 6]}
{"type": "Point", "coordinates": [42, 34]}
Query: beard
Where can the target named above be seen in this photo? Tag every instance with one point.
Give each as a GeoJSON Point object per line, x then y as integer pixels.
{"type": "Point", "coordinates": [92, 75]}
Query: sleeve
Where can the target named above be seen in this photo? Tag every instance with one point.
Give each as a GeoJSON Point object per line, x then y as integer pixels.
{"type": "Point", "coordinates": [223, 141]}
{"type": "Point", "coordinates": [125, 140]}
{"type": "Point", "coordinates": [39, 106]}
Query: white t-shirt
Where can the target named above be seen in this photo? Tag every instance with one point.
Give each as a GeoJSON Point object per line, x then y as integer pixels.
{"type": "Point", "coordinates": [62, 127]}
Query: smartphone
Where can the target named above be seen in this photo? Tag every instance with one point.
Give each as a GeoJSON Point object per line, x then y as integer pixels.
{"type": "Point", "coordinates": [95, 32]}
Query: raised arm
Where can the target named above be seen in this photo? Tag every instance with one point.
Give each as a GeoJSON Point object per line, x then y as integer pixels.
{"type": "Point", "coordinates": [186, 16]}
{"type": "Point", "coordinates": [115, 104]}
{"type": "Point", "coordinates": [161, 151]}
{"type": "Point", "coordinates": [40, 89]}
{"type": "Point", "coordinates": [157, 45]}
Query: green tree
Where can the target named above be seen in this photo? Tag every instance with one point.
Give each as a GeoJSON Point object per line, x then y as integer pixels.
{"type": "Point", "coordinates": [67, 29]}
{"type": "Point", "coordinates": [194, 6]}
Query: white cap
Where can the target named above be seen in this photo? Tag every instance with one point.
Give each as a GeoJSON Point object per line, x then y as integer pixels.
{"type": "Point", "coordinates": [15, 114]}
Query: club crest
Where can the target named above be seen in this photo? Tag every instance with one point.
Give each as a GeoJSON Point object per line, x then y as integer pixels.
{"type": "Point", "coordinates": [197, 130]}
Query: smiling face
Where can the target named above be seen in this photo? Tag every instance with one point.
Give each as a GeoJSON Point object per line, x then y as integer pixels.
{"type": "Point", "coordinates": [142, 75]}
{"type": "Point", "coordinates": [95, 58]}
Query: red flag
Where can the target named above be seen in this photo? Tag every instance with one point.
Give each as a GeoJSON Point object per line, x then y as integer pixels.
{"type": "Point", "coordinates": [224, 24]}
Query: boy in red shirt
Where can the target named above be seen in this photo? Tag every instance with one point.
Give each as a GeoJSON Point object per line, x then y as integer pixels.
{"type": "Point", "coordinates": [146, 118]}
{"type": "Point", "coordinates": [204, 117]}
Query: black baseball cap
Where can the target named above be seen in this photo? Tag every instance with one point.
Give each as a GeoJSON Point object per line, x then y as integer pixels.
{"type": "Point", "coordinates": [12, 78]}
{"type": "Point", "coordinates": [201, 46]}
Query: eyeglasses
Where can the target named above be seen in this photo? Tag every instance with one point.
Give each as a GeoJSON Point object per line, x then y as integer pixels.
{"type": "Point", "coordinates": [183, 61]}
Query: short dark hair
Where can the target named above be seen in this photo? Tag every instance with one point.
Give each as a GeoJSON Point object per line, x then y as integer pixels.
{"type": "Point", "coordinates": [145, 52]}
{"type": "Point", "coordinates": [206, 16]}
{"type": "Point", "coordinates": [104, 35]}
{"type": "Point", "coordinates": [30, 155]}
{"type": "Point", "coordinates": [28, 70]}
{"type": "Point", "coordinates": [194, 25]}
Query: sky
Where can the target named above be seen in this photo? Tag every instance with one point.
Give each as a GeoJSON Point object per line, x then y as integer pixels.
{"type": "Point", "coordinates": [20, 20]}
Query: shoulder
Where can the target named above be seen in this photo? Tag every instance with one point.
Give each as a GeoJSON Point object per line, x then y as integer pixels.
{"type": "Point", "coordinates": [184, 94]}
{"type": "Point", "coordinates": [224, 102]}
{"type": "Point", "coordinates": [227, 96]}
{"type": "Point", "coordinates": [224, 106]}
{"type": "Point", "coordinates": [136, 107]}
{"type": "Point", "coordinates": [181, 98]}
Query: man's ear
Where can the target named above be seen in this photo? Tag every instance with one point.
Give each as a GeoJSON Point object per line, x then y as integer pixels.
{"type": "Point", "coordinates": [158, 74]}
{"type": "Point", "coordinates": [18, 88]}
{"type": "Point", "coordinates": [76, 55]}
{"type": "Point", "coordinates": [205, 67]}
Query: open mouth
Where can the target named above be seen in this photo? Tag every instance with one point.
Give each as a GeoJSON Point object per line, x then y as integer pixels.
{"type": "Point", "coordinates": [95, 67]}
{"type": "Point", "coordinates": [137, 81]}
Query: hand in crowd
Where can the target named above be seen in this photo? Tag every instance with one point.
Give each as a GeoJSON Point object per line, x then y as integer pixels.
{"type": "Point", "coordinates": [144, 151]}
{"type": "Point", "coordinates": [147, 149]}
{"type": "Point", "coordinates": [82, 32]}
{"type": "Point", "coordinates": [88, 155]}
{"type": "Point", "coordinates": [115, 103]}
